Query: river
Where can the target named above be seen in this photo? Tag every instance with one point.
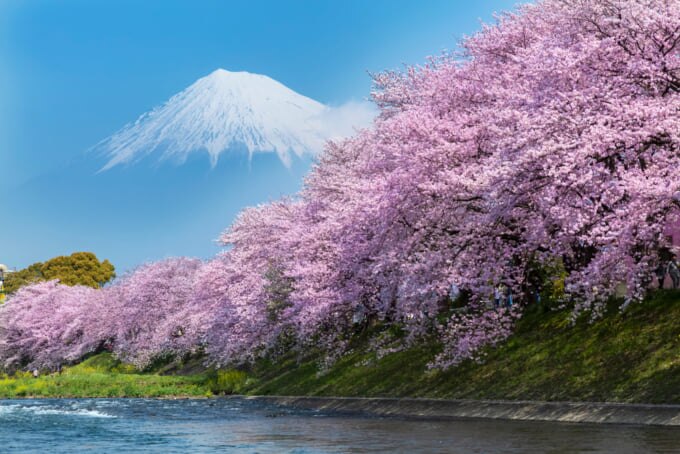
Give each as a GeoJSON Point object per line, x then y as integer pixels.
{"type": "Point", "coordinates": [245, 426]}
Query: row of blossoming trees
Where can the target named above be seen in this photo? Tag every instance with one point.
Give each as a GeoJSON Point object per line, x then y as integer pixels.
{"type": "Point", "coordinates": [552, 137]}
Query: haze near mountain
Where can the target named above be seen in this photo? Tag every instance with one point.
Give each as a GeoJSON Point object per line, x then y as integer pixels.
{"type": "Point", "coordinates": [231, 112]}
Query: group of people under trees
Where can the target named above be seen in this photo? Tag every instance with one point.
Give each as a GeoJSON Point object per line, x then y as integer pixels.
{"type": "Point", "coordinates": [668, 267]}
{"type": "Point", "coordinates": [502, 296]}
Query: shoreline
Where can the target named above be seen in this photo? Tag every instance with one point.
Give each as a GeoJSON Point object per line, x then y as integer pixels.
{"type": "Point", "coordinates": [449, 409]}
{"type": "Point", "coordinates": [68, 397]}
{"type": "Point", "coordinates": [424, 408]}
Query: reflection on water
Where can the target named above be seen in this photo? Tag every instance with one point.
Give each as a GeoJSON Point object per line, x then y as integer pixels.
{"type": "Point", "coordinates": [168, 426]}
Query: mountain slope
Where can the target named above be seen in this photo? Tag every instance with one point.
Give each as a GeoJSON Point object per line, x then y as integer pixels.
{"type": "Point", "coordinates": [230, 111]}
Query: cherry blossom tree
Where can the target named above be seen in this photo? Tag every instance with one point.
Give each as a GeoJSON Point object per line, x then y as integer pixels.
{"type": "Point", "coordinates": [248, 284]}
{"type": "Point", "coordinates": [47, 325]}
{"type": "Point", "coordinates": [145, 314]}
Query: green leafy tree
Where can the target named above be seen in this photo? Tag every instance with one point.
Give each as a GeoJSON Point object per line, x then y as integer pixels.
{"type": "Point", "coordinates": [79, 268]}
{"type": "Point", "coordinates": [14, 281]}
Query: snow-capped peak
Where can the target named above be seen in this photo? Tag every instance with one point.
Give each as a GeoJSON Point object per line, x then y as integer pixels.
{"type": "Point", "coordinates": [230, 111]}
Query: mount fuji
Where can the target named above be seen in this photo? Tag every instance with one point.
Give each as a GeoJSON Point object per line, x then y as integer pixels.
{"type": "Point", "coordinates": [229, 112]}
{"type": "Point", "coordinates": [148, 191]}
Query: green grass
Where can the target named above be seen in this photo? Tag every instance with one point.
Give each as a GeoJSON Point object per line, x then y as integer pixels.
{"type": "Point", "coordinates": [101, 376]}
{"type": "Point", "coordinates": [630, 357]}
{"type": "Point", "coordinates": [104, 376]}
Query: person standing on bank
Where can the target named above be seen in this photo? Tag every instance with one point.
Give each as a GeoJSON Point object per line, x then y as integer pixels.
{"type": "Point", "coordinates": [674, 273]}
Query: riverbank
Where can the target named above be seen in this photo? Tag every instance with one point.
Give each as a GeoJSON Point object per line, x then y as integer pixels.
{"type": "Point", "coordinates": [100, 377]}
{"type": "Point", "coordinates": [580, 412]}
{"type": "Point", "coordinates": [104, 376]}
{"type": "Point", "coordinates": [630, 357]}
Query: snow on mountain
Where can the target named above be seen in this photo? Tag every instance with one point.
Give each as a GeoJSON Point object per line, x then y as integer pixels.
{"type": "Point", "coordinates": [230, 111]}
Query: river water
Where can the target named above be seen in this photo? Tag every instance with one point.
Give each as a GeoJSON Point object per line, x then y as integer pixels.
{"type": "Point", "coordinates": [245, 426]}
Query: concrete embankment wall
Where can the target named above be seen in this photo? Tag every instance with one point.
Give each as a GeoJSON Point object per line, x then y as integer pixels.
{"type": "Point", "coordinates": [610, 413]}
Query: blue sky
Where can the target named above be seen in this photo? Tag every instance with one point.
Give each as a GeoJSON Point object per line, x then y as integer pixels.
{"type": "Point", "coordinates": [75, 71]}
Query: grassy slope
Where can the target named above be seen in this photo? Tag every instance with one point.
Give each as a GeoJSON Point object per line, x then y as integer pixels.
{"type": "Point", "coordinates": [631, 357]}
